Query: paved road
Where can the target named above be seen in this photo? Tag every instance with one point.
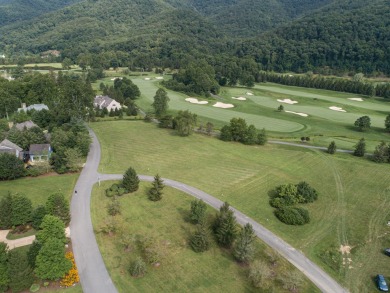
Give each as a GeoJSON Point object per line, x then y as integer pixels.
{"type": "Point", "coordinates": [93, 273]}
{"type": "Point", "coordinates": [307, 146]}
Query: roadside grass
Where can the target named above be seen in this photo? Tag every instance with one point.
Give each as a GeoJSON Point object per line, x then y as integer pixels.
{"type": "Point", "coordinates": [181, 269]}
{"type": "Point", "coordinates": [11, 236]}
{"type": "Point", "coordinates": [38, 189]}
{"type": "Point", "coordinates": [352, 209]}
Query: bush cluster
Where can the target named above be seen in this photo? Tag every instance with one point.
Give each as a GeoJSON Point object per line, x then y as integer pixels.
{"type": "Point", "coordinates": [293, 215]}
{"type": "Point", "coordinates": [116, 189]}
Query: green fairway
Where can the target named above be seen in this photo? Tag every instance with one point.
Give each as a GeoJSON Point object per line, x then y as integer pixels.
{"type": "Point", "coordinates": [38, 189]}
{"type": "Point", "coordinates": [352, 209]}
{"type": "Point", "coordinates": [181, 269]}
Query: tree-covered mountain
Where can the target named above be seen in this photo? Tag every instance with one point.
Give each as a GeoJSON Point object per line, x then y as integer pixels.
{"type": "Point", "coordinates": [12, 11]}
{"type": "Point", "coordinates": [280, 35]}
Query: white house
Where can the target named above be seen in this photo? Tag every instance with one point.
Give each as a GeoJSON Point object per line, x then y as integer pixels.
{"type": "Point", "coordinates": [36, 107]}
{"type": "Point", "coordinates": [106, 102]}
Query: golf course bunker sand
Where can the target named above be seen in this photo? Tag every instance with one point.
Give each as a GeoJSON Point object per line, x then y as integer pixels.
{"type": "Point", "coordinates": [196, 101]}
{"type": "Point", "coordinates": [115, 78]}
{"type": "Point", "coordinates": [223, 105]}
{"type": "Point", "coordinates": [287, 101]}
{"type": "Point", "coordinates": [249, 94]}
{"type": "Point", "coordinates": [147, 78]}
{"type": "Point", "coordinates": [159, 77]}
{"type": "Point", "coordinates": [356, 99]}
{"type": "Point", "coordinates": [338, 109]}
{"type": "Point", "coordinates": [297, 113]}
{"type": "Point", "coordinates": [239, 98]}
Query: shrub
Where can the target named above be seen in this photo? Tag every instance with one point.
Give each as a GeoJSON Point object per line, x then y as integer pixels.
{"type": "Point", "coordinates": [306, 192]}
{"type": "Point", "coordinates": [115, 189]}
{"type": "Point", "coordinates": [260, 274]}
{"type": "Point", "coordinates": [293, 216]}
{"type": "Point", "coordinates": [137, 268]}
{"type": "Point", "coordinates": [114, 207]}
{"type": "Point", "coordinates": [35, 288]}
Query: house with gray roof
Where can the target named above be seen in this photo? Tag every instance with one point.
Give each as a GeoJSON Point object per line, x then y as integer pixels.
{"type": "Point", "coordinates": [27, 124]}
{"type": "Point", "coordinates": [9, 147]}
{"type": "Point", "coordinates": [36, 107]}
{"type": "Point", "coordinates": [40, 152]}
{"type": "Point", "coordinates": [106, 102]}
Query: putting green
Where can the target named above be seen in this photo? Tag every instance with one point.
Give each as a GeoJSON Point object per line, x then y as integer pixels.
{"type": "Point", "coordinates": [148, 89]}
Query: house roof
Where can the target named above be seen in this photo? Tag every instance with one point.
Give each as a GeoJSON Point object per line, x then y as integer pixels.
{"type": "Point", "coordinates": [6, 144]}
{"type": "Point", "coordinates": [28, 124]}
{"type": "Point", "coordinates": [102, 101]}
{"type": "Point", "coordinates": [39, 149]}
{"type": "Point", "coordinates": [37, 107]}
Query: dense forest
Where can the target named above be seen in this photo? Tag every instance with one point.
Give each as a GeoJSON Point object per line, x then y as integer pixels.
{"type": "Point", "coordinates": [323, 36]}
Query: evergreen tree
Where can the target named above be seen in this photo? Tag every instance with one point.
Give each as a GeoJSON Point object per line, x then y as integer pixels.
{"type": "Point", "coordinates": [363, 123]}
{"type": "Point", "coordinates": [20, 273]}
{"type": "Point", "coordinates": [57, 205]}
{"type": "Point", "coordinates": [10, 167]}
{"type": "Point", "coordinates": [198, 211]}
{"type": "Point", "coordinates": [332, 148]}
{"type": "Point", "coordinates": [160, 103]}
{"type": "Point", "coordinates": [155, 192]}
{"type": "Point", "coordinates": [6, 211]}
{"type": "Point", "coordinates": [37, 216]}
{"type": "Point", "coordinates": [243, 248]}
{"type": "Point", "coordinates": [387, 123]}
{"type": "Point", "coordinates": [281, 108]}
{"type": "Point", "coordinates": [226, 134]}
{"type": "Point", "coordinates": [262, 137]}
{"type": "Point", "coordinates": [360, 148]}
{"type": "Point", "coordinates": [51, 263]}
{"type": "Point", "coordinates": [33, 252]}
{"type": "Point", "coordinates": [130, 180]}
{"type": "Point", "coordinates": [21, 210]}
{"type": "Point", "coordinates": [225, 226]}
{"type": "Point", "coordinates": [4, 277]}
{"type": "Point", "coordinates": [381, 153]}
{"type": "Point", "coordinates": [52, 227]}
{"type": "Point", "coordinates": [200, 241]}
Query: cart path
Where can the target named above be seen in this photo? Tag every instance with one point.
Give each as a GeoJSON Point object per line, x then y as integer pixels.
{"type": "Point", "coordinates": [93, 273]}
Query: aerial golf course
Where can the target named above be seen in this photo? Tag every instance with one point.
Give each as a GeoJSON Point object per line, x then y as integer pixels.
{"type": "Point", "coordinates": [347, 232]}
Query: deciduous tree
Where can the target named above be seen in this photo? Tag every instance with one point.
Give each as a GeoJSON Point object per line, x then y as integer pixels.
{"type": "Point", "coordinates": [387, 123]}
{"type": "Point", "coordinates": [160, 103]}
{"type": "Point", "coordinates": [363, 123]}
{"type": "Point", "coordinates": [332, 148]}
{"type": "Point", "coordinates": [360, 148]}
{"type": "Point", "coordinates": [185, 122]}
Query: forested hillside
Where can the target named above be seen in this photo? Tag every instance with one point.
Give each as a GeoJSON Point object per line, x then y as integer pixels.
{"type": "Point", "coordinates": [12, 11]}
{"type": "Point", "coordinates": [281, 35]}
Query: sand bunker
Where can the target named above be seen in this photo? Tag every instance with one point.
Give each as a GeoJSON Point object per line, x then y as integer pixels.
{"type": "Point", "coordinates": [223, 105]}
{"type": "Point", "coordinates": [159, 77]}
{"type": "Point", "coordinates": [356, 99]}
{"type": "Point", "coordinates": [297, 113]}
{"type": "Point", "coordinates": [287, 101]}
{"type": "Point", "coordinates": [147, 78]}
{"type": "Point", "coordinates": [115, 78]}
{"type": "Point", "coordinates": [239, 98]}
{"type": "Point", "coordinates": [249, 94]}
{"type": "Point", "coordinates": [196, 101]}
{"type": "Point", "coordinates": [338, 109]}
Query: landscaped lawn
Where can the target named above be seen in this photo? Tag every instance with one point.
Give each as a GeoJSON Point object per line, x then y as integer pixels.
{"type": "Point", "coordinates": [181, 269]}
{"type": "Point", "coordinates": [40, 188]}
{"type": "Point", "coordinates": [352, 208]}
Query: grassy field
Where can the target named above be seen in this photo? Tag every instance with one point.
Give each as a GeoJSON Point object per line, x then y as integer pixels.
{"type": "Point", "coordinates": [322, 125]}
{"type": "Point", "coordinates": [181, 269]}
{"type": "Point", "coordinates": [353, 207]}
{"type": "Point", "coordinates": [38, 189]}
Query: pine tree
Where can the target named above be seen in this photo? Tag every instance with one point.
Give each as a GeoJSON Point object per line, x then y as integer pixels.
{"type": "Point", "coordinates": [200, 241]}
{"type": "Point", "coordinates": [243, 248]}
{"type": "Point", "coordinates": [381, 153]}
{"type": "Point", "coordinates": [37, 216]}
{"type": "Point", "coordinates": [387, 123]}
{"type": "Point", "coordinates": [281, 108]}
{"type": "Point", "coordinates": [21, 210]}
{"type": "Point", "coordinates": [57, 205]}
{"type": "Point", "coordinates": [198, 211]}
{"type": "Point", "coordinates": [225, 226]}
{"type": "Point", "coordinates": [33, 252]}
{"type": "Point", "coordinates": [20, 273]}
{"type": "Point", "coordinates": [130, 180]}
{"type": "Point", "coordinates": [155, 192]}
{"type": "Point", "coordinates": [332, 148]}
{"type": "Point", "coordinates": [6, 211]}
{"type": "Point", "coordinates": [52, 227]}
{"type": "Point", "coordinates": [360, 148]}
{"type": "Point", "coordinates": [51, 262]}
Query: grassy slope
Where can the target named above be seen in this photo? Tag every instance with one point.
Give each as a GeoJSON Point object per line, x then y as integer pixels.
{"type": "Point", "coordinates": [181, 269]}
{"type": "Point", "coordinates": [38, 189]}
{"type": "Point", "coordinates": [354, 193]}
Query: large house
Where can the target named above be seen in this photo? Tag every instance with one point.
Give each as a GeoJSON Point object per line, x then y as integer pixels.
{"type": "Point", "coordinates": [36, 107]}
{"type": "Point", "coordinates": [106, 102]}
{"type": "Point", "coordinates": [9, 147]}
{"type": "Point", "coordinates": [40, 152]}
{"type": "Point", "coordinates": [27, 124]}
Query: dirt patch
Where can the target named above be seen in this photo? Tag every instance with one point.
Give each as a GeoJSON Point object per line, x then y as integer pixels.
{"type": "Point", "coordinates": [345, 249]}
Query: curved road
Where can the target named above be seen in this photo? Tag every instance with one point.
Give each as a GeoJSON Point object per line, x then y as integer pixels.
{"type": "Point", "coordinates": [93, 273]}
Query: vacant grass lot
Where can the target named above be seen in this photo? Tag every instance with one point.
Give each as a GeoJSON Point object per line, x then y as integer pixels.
{"type": "Point", "coordinates": [40, 188]}
{"type": "Point", "coordinates": [353, 207]}
{"type": "Point", "coordinates": [181, 270]}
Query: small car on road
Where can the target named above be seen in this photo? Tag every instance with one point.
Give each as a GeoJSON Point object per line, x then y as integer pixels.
{"type": "Point", "coordinates": [381, 283]}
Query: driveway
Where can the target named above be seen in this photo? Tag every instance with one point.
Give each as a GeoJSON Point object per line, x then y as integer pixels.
{"type": "Point", "coordinates": [93, 273]}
